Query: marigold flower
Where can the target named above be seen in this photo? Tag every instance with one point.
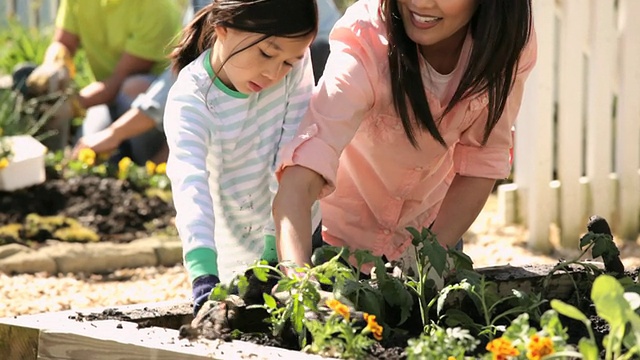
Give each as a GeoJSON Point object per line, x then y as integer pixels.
{"type": "Point", "coordinates": [373, 326]}
{"type": "Point", "coordinates": [502, 349]}
{"type": "Point", "coordinates": [87, 156]}
{"type": "Point", "coordinates": [4, 162]}
{"type": "Point", "coordinates": [151, 167]}
{"type": "Point", "coordinates": [339, 308]}
{"type": "Point", "coordinates": [161, 168]}
{"type": "Point", "coordinates": [539, 347]}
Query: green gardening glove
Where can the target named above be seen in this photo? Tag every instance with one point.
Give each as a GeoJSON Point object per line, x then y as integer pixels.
{"type": "Point", "coordinates": [270, 254]}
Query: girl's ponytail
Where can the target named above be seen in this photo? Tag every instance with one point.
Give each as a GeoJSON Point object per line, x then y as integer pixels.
{"type": "Point", "coordinates": [196, 37]}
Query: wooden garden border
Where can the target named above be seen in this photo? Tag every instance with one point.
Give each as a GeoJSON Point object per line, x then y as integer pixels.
{"type": "Point", "coordinates": [61, 336]}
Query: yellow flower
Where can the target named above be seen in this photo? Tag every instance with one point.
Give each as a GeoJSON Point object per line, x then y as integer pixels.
{"type": "Point", "coordinates": [502, 349]}
{"type": "Point", "coordinates": [123, 167]}
{"type": "Point", "coordinates": [87, 156]}
{"type": "Point", "coordinates": [451, 358]}
{"type": "Point", "coordinates": [161, 169]}
{"type": "Point", "coordinates": [4, 162]}
{"type": "Point", "coordinates": [539, 347]}
{"type": "Point", "coordinates": [339, 308]}
{"type": "Point", "coordinates": [151, 167]}
{"type": "Point", "coordinates": [373, 326]}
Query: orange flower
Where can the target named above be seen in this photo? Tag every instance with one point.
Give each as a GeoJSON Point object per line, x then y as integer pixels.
{"type": "Point", "coordinates": [373, 326]}
{"type": "Point", "coordinates": [502, 349]}
{"type": "Point", "coordinates": [539, 347]}
{"type": "Point", "coordinates": [339, 308]}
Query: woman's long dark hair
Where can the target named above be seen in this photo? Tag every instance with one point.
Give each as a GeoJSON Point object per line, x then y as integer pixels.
{"type": "Point", "coordinates": [500, 30]}
{"type": "Point", "coordinates": [284, 18]}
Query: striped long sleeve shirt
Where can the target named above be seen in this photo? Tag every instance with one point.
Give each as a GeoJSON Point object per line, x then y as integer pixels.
{"type": "Point", "coordinates": [223, 152]}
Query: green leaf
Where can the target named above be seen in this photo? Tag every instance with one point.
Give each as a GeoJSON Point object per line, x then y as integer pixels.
{"type": "Point", "coordinates": [605, 247]}
{"type": "Point", "coordinates": [587, 239]}
{"type": "Point", "coordinates": [437, 257]}
{"type": "Point", "coordinates": [397, 295]}
{"type": "Point", "coordinates": [269, 301]}
{"type": "Point", "coordinates": [243, 285]}
{"type": "Point", "coordinates": [455, 317]}
{"type": "Point", "coordinates": [588, 349]}
{"type": "Point", "coordinates": [417, 237]}
{"type": "Point", "coordinates": [219, 293]}
{"type": "Point", "coordinates": [297, 316]}
{"type": "Point", "coordinates": [608, 297]}
{"type": "Point", "coordinates": [461, 261]}
{"type": "Point", "coordinates": [568, 310]}
{"type": "Point", "coordinates": [370, 301]}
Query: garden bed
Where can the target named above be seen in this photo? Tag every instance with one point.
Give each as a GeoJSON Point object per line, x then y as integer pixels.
{"type": "Point", "coordinates": [153, 330]}
{"type": "Point", "coordinates": [115, 210]}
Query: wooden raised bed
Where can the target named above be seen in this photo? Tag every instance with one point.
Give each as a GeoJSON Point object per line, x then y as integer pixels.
{"type": "Point", "coordinates": [150, 331]}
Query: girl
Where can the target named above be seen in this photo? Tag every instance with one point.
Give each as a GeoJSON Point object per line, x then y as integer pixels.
{"type": "Point", "coordinates": [244, 83]}
{"type": "Point", "coordinates": [409, 126]}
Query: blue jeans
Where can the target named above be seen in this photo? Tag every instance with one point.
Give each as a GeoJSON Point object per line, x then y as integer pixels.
{"type": "Point", "coordinates": [140, 148]}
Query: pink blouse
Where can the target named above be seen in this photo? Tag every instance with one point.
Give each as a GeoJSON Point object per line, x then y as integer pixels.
{"type": "Point", "coordinates": [377, 183]}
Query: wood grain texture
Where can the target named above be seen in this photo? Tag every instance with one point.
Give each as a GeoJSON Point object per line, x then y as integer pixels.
{"type": "Point", "coordinates": [19, 343]}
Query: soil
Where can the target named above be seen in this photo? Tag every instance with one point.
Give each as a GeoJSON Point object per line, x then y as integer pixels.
{"type": "Point", "coordinates": [114, 209]}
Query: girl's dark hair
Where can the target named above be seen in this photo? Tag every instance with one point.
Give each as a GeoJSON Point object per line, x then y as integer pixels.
{"type": "Point", "coordinates": [283, 18]}
{"type": "Point", "coordinates": [500, 29]}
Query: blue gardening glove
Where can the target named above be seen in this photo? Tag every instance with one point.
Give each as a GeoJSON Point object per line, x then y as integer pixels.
{"type": "Point", "coordinates": [201, 288]}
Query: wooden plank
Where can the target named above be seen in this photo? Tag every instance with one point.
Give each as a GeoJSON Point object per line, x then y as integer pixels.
{"type": "Point", "coordinates": [18, 342]}
{"type": "Point", "coordinates": [570, 119]}
{"type": "Point", "coordinates": [600, 79]}
{"type": "Point", "coordinates": [58, 336]}
{"type": "Point", "coordinates": [628, 122]}
{"type": "Point", "coordinates": [534, 134]}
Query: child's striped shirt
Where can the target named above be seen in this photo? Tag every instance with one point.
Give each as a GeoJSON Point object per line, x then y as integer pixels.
{"type": "Point", "coordinates": [223, 148]}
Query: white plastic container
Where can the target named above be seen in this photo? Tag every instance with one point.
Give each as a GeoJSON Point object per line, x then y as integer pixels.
{"type": "Point", "coordinates": [26, 167]}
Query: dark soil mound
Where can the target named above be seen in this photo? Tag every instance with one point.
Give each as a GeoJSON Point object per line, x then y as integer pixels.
{"type": "Point", "coordinates": [113, 208]}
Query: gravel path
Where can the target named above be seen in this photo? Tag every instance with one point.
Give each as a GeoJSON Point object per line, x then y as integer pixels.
{"type": "Point", "coordinates": [486, 243]}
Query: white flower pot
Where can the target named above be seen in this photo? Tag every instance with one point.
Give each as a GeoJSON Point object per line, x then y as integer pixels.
{"type": "Point", "coordinates": [26, 167]}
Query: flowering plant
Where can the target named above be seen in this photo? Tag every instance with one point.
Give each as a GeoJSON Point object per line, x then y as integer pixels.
{"type": "Point", "coordinates": [88, 162]}
{"type": "Point", "coordinates": [341, 335]}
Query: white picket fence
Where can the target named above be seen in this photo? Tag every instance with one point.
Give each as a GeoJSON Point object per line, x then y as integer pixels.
{"type": "Point", "coordinates": [577, 149]}
{"type": "Point", "coordinates": [32, 13]}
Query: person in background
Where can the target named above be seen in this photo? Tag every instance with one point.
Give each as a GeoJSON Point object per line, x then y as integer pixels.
{"type": "Point", "coordinates": [244, 82]}
{"type": "Point", "coordinates": [409, 126]}
{"type": "Point", "coordinates": [144, 116]}
{"type": "Point", "coordinates": [147, 109]}
{"type": "Point", "coordinates": [126, 44]}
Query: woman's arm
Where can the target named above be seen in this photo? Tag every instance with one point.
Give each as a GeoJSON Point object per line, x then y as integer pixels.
{"type": "Point", "coordinates": [461, 205]}
{"type": "Point", "coordinates": [299, 188]}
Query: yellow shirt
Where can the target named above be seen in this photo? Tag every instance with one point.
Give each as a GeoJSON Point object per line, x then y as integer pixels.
{"type": "Point", "coordinates": [109, 28]}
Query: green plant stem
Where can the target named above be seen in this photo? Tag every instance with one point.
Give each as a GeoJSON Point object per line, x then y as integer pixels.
{"type": "Point", "coordinates": [421, 280]}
